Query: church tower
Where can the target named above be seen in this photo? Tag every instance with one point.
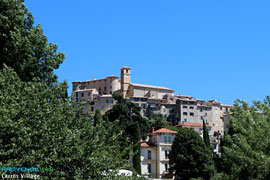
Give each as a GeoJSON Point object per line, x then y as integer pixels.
{"type": "Point", "coordinates": [125, 80]}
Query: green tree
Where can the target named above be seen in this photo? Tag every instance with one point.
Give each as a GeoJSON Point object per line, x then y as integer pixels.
{"type": "Point", "coordinates": [24, 47]}
{"type": "Point", "coordinates": [246, 146]}
{"type": "Point", "coordinates": [131, 124]}
{"type": "Point", "coordinates": [206, 136]}
{"type": "Point", "coordinates": [97, 118]}
{"type": "Point", "coordinates": [39, 128]}
{"type": "Point", "coordinates": [158, 121]}
{"type": "Point", "coordinates": [127, 113]}
{"type": "Point", "coordinates": [189, 157]}
{"type": "Point", "coordinates": [136, 159]}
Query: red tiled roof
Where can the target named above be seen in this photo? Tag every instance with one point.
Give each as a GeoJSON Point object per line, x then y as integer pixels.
{"type": "Point", "coordinates": [163, 130]}
{"type": "Point", "coordinates": [146, 144]}
{"type": "Point", "coordinates": [189, 124]}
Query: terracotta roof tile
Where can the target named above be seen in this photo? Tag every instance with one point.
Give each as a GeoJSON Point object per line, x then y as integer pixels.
{"type": "Point", "coordinates": [163, 130]}
{"type": "Point", "coordinates": [146, 144]}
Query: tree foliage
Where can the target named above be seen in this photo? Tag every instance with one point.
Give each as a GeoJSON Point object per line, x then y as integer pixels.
{"type": "Point", "coordinates": [189, 157]}
{"type": "Point", "coordinates": [206, 136]}
{"type": "Point", "coordinates": [127, 113]}
{"type": "Point", "coordinates": [136, 159]}
{"type": "Point", "coordinates": [131, 124]}
{"type": "Point", "coordinates": [246, 146]}
{"type": "Point", "coordinates": [158, 121]}
{"type": "Point", "coordinates": [39, 128]}
{"type": "Point", "coordinates": [24, 47]}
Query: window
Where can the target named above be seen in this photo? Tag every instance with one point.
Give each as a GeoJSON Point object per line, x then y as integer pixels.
{"type": "Point", "coordinates": [112, 101]}
{"type": "Point", "coordinates": [111, 107]}
{"type": "Point", "coordinates": [165, 138]}
{"type": "Point", "coordinates": [149, 168]}
{"type": "Point", "coordinates": [166, 167]}
{"type": "Point", "coordinates": [99, 89]}
{"type": "Point", "coordinates": [184, 107]}
{"type": "Point", "coordinates": [126, 70]}
{"type": "Point", "coordinates": [107, 101]}
{"type": "Point", "coordinates": [92, 108]}
{"type": "Point", "coordinates": [184, 102]}
{"type": "Point", "coordinates": [102, 107]}
{"type": "Point", "coordinates": [167, 153]}
{"type": "Point", "coordinates": [191, 107]}
{"type": "Point", "coordinates": [201, 109]}
{"type": "Point", "coordinates": [185, 113]}
{"type": "Point", "coordinates": [89, 94]}
{"type": "Point", "coordinates": [149, 155]}
{"type": "Point", "coordinates": [192, 114]}
{"type": "Point", "coordinates": [143, 99]}
{"type": "Point", "coordinates": [76, 94]}
{"type": "Point", "coordinates": [105, 88]}
{"type": "Point", "coordinates": [201, 117]}
{"type": "Point", "coordinates": [82, 94]}
{"type": "Point", "coordinates": [143, 106]}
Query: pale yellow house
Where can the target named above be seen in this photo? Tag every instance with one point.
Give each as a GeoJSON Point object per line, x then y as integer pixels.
{"type": "Point", "coordinates": [155, 154]}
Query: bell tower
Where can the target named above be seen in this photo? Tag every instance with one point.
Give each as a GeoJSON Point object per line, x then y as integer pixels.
{"type": "Point", "coordinates": [125, 80]}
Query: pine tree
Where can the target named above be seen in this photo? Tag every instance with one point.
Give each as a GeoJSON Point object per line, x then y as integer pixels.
{"type": "Point", "coordinates": [136, 159]}
{"type": "Point", "coordinates": [206, 136]}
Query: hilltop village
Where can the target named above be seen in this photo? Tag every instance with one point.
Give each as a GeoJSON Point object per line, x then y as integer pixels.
{"type": "Point", "coordinates": [181, 111]}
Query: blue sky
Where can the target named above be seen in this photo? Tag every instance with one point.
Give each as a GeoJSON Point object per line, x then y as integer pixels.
{"type": "Point", "coordinates": [206, 49]}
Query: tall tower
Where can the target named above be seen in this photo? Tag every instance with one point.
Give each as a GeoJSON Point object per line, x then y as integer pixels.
{"type": "Point", "coordinates": [125, 80]}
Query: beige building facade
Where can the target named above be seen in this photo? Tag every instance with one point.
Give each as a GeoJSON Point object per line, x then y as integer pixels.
{"type": "Point", "coordinates": [155, 154]}
{"type": "Point", "coordinates": [178, 109]}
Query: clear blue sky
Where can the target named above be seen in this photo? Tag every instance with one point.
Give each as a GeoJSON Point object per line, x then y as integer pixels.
{"type": "Point", "coordinates": [207, 49]}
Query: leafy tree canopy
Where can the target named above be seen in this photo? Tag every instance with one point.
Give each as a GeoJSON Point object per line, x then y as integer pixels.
{"type": "Point", "coordinates": [24, 47]}
{"type": "Point", "coordinates": [189, 157]}
{"type": "Point", "coordinates": [246, 146]}
{"type": "Point", "coordinates": [158, 121]}
{"type": "Point", "coordinates": [38, 128]}
{"type": "Point", "coordinates": [127, 113]}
